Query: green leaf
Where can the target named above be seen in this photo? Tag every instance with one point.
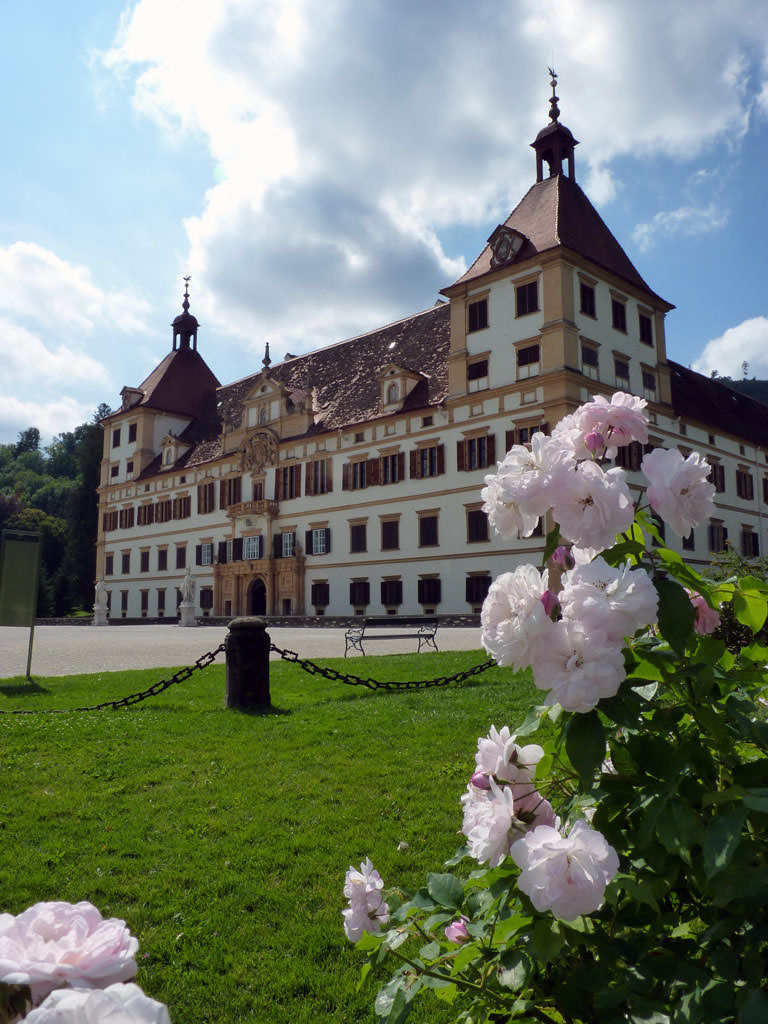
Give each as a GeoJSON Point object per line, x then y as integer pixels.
{"type": "Point", "coordinates": [447, 994]}
{"type": "Point", "coordinates": [750, 609]}
{"type": "Point", "coordinates": [514, 971]}
{"type": "Point", "coordinates": [676, 614]}
{"type": "Point", "coordinates": [585, 743]}
{"type": "Point", "coordinates": [756, 800]}
{"type": "Point", "coordinates": [552, 542]}
{"type": "Point", "coordinates": [446, 890]}
{"type": "Point", "coordinates": [547, 940]}
{"type": "Point", "coordinates": [365, 970]}
{"type": "Point", "coordinates": [721, 840]}
{"type": "Point", "coordinates": [754, 1009]}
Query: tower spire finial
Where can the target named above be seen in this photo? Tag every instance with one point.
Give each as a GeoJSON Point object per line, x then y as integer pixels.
{"type": "Point", "coordinates": [266, 360]}
{"type": "Point", "coordinates": [554, 110]}
{"type": "Point", "coordinates": [185, 303]}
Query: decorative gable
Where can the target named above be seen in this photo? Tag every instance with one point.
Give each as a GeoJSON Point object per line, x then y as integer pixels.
{"type": "Point", "coordinates": [172, 448]}
{"type": "Point", "coordinates": [505, 243]}
{"type": "Point", "coordinates": [395, 384]}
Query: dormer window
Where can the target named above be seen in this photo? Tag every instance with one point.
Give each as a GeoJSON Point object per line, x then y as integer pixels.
{"type": "Point", "coordinates": [392, 393]}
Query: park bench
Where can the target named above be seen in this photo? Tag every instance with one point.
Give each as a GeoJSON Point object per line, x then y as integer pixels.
{"type": "Point", "coordinates": [392, 627]}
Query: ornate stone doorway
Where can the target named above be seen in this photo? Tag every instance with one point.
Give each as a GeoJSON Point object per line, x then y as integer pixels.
{"type": "Point", "coordinates": [257, 598]}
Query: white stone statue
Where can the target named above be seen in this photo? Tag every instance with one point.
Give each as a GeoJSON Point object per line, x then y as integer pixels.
{"type": "Point", "coordinates": [100, 603]}
{"type": "Point", "coordinates": [188, 588]}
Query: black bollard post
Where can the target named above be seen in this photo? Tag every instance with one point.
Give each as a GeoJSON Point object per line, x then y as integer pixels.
{"type": "Point", "coordinates": [247, 652]}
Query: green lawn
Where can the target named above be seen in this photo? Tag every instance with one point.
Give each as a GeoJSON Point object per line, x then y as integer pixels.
{"type": "Point", "coordinates": [222, 838]}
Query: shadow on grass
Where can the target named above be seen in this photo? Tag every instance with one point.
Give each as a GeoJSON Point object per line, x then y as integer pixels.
{"type": "Point", "coordinates": [262, 711]}
{"type": "Point", "coordinates": [28, 688]}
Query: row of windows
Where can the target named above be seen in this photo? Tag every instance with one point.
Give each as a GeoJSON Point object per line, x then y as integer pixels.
{"type": "Point", "coordinates": [428, 592]}
{"type": "Point", "coordinates": [745, 484]}
{"type": "Point", "coordinates": [471, 453]}
{"type": "Point", "coordinates": [588, 306]}
{"type": "Point", "coordinates": [316, 542]}
{"type": "Point", "coordinates": [590, 368]}
{"type": "Point", "coordinates": [527, 301]}
{"type": "Point", "coordinates": [117, 432]}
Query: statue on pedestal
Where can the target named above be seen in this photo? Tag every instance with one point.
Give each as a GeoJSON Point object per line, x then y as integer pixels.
{"type": "Point", "coordinates": [100, 603]}
{"type": "Point", "coordinates": [187, 607]}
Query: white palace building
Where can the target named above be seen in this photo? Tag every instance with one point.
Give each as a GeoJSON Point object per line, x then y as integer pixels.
{"type": "Point", "coordinates": [347, 481]}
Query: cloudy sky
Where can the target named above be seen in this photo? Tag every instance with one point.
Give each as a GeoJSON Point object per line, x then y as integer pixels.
{"type": "Point", "coordinates": [323, 169]}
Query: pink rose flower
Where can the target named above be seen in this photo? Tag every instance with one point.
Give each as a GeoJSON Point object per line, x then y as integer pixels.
{"type": "Point", "coordinates": [707, 619]}
{"type": "Point", "coordinates": [578, 668]}
{"type": "Point", "coordinates": [618, 422]}
{"type": "Point", "coordinates": [117, 1004]}
{"type": "Point", "coordinates": [499, 755]}
{"type": "Point", "coordinates": [456, 931]}
{"type": "Point", "coordinates": [679, 490]}
{"type": "Point", "coordinates": [55, 944]}
{"type": "Point", "coordinates": [592, 506]}
{"type": "Point", "coordinates": [618, 600]}
{"type": "Point", "coordinates": [367, 911]}
{"type": "Point", "coordinates": [566, 875]}
{"type": "Point", "coordinates": [513, 619]}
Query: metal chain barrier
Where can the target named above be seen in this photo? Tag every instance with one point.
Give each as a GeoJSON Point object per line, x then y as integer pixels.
{"type": "Point", "coordinates": [375, 684]}
{"type": "Point", "coordinates": [134, 698]}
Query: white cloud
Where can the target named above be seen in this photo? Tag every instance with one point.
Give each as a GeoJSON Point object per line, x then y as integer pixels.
{"type": "Point", "coordinates": [347, 137]}
{"type": "Point", "coordinates": [747, 342]}
{"type": "Point", "coordinates": [37, 284]}
{"type": "Point", "coordinates": [27, 361]}
{"type": "Point", "coordinates": [688, 220]}
{"type": "Point", "coordinates": [51, 418]}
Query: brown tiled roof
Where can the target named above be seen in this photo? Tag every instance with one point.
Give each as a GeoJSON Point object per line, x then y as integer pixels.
{"type": "Point", "coordinates": [342, 379]}
{"type": "Point", "coordinates": [716, 406]}
{"type": "Point", "coordinates": [556, 212]}
{"type": "Point", "coordinates": [180, 383]}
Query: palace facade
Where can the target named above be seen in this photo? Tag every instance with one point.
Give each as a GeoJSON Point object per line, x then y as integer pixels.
{"type": "Point", "coordinates": [347, 481]}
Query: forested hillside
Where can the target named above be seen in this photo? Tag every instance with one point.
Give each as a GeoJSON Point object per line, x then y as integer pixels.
{"type": "Point", "coordinates": [53, 490]}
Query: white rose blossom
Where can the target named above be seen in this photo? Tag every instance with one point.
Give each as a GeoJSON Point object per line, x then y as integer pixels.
{"type": "Point", "coordinates": [592, 506]}
{"type": "Point", "coordinates": [566, 875]}
{"type": "Point", "coordinates": [116, 1004]}
{"type": "Point", "coordinates": [619, 421]}
{"type": "Point", "coordinates": [679, 490]}
{"type": "Point", "coordinates": [528, 473]}
{"type": "Point", "coordinates": [490, 823]}
{"type": "Point", "coordinates": [513, 619]}
{"type": "Point", "coordinates": [499, 755]}
{"type": "Point", "coordinates": [618, 601]}
{"type": "Point", "coordinates": [578, 668]}
{"type": "Point", "coordinates": [56, 943]}
{"type": "Point", "coordinates": [505, 516]}
{"type": "Point", "coordinates": [367, 911]}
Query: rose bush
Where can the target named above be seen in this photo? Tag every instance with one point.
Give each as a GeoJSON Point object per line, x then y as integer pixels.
{"type": "Point", "coordinates": [620, 862]}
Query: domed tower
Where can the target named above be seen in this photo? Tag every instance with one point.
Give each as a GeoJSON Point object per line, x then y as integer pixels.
{"type": "Point", "coordinates": [185, 325]}
{"type": "Point", "coordinates": [554, 144]}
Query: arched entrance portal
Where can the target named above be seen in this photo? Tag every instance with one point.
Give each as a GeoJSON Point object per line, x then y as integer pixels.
{"type": "Point", "coordinates": [257, 598]}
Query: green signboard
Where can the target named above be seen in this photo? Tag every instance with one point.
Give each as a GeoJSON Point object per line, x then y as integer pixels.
{"type": "Point", "coordinates": [19, 574]}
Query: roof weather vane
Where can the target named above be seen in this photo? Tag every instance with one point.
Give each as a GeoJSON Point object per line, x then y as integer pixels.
{"type": "Point", "coordinates": [554, 110]}
{"type": "Point", "coordinates": [185, 303]}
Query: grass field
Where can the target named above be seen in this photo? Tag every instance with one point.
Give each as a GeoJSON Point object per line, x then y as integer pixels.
{"type": "Point", "coordinates": [222, 838]}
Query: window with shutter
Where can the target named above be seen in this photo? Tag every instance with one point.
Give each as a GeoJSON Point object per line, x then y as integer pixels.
{"type": "Point", "coordinates": [427, 531]}
{"type": "Point", "coordinates": [429, 590]}
{"type": "Point", "coordinates": [391, 592]}
{"type": "Point", "coordinates": [358, 537]}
